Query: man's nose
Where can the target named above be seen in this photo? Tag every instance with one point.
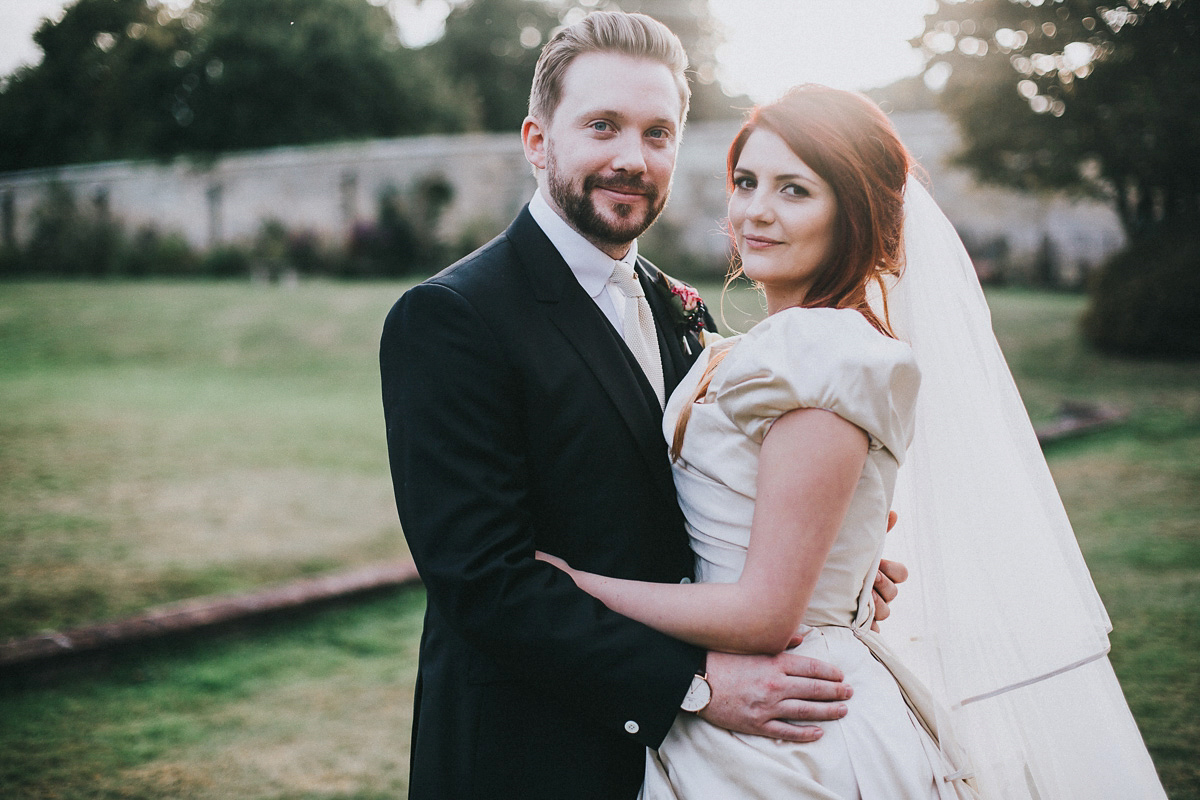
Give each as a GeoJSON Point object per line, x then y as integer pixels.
{"type": "Point", "coordinates": [629, 155]}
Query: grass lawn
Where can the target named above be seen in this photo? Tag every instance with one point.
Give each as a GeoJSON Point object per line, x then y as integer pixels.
{"type": "Point", "coordinates": [160, 440]}
{"type": "Point", "coordinates": [314, 707]}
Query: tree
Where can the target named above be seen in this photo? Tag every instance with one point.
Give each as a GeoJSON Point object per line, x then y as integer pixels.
{"type": "Point", "coordinates": [103, 89]}
{"type": "Point", "coordinates": [1075, 94]}
{"type": "Point", "coordinates": [269, 72]}
{"type": "Point", "coordinates": [132, 78]}
{"type": "Point", "coordinates": [490, 49]}
{"type": "Point", "coordinates": [1072, 94]}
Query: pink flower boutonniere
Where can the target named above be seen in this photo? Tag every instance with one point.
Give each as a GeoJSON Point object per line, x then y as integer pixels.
{"type": "Point", "coordinates": [688, 312]}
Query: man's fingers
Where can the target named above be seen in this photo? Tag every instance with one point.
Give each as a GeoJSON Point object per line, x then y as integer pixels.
{"type": "Point", "coordinates": [817, 690]}
{"type": "Point", "coordinates": [894, 571]}
{"type": "Point", "coordinates": [884, 587]}
{"type": "Point", "coordinates": [796, 640]}
{"type": "Point", "coordinates": [791, 733]}
{"type": "Point", "coordinates": [882, 609]}
{"type": "Point", "coordinates": [805, 667]}
{"type": "Point", "coordinates": [804, 711]}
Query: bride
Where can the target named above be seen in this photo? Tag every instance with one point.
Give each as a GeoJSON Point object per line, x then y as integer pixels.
{"type": "Point", "coordinates": [875, 382]}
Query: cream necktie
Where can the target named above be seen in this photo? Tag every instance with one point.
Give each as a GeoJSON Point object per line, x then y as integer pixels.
{"type": "Point", "coordinates": [640, 334]}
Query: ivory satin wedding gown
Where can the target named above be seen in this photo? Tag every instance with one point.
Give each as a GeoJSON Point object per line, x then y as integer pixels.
{"type": "Point", "coordinates": [887, 746]}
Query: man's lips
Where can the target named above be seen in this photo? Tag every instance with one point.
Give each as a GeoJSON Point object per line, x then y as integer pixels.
{"type": "Point", "coordinates": [623, 193]}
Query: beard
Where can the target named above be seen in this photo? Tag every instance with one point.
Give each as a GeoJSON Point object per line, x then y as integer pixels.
{"type": "Point", "coordinates": [580, 209]}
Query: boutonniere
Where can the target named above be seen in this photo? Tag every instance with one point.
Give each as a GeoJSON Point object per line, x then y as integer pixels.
{"type": "Point", "coordinates": [686, 308]}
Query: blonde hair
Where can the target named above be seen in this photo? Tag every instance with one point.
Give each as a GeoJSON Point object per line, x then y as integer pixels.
{"type": "Point", "coordinates": [635, 35]}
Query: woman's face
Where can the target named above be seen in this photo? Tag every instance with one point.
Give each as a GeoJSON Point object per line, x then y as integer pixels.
{"type": "Point", "coordinates": [782, 217]}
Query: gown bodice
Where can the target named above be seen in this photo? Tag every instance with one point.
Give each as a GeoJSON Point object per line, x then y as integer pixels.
{"type": "Point", "coordinates": [887, 745]}
{"type": "Point", "coordinates": [824, 358]}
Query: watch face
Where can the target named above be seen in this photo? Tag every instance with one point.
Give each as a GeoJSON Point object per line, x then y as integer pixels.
{"type": "Point", "coordinates": [698, 695]}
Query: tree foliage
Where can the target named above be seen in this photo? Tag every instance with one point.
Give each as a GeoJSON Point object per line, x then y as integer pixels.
{"type": "Point", "coordinates": [103, 90]}
{"type": "Point", "coordinates": [132, 78]}
{"type": "Point", "coordinates": [1078, 94]}
{"type": "Point", "coordinates": [137, 78]}
{"type": "Point", "coordinates": [292, 71]}
{"type": "Point", "coordinates": [490, 49]}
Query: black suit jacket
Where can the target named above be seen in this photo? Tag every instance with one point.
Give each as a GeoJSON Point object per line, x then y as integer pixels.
{"type": "Point", "coordinates": [518, 420]}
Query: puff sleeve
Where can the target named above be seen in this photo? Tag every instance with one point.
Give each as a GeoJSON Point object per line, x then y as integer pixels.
{"type": "Point", "coordinates": [825, 358]}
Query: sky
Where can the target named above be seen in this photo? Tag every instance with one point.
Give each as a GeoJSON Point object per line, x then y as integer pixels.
{"type": "Point", "coordinates": [769, 44]}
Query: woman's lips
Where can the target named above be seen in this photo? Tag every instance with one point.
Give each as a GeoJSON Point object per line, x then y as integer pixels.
{"type": "Point", "coordinates": [760, 242]}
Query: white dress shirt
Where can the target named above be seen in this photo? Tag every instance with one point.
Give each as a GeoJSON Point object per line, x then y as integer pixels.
{"type": "Point", "coordinates": [590, 265]}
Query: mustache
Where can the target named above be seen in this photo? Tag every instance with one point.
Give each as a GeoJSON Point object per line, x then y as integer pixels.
{"type": "Point", "coordinates": [631, 184]}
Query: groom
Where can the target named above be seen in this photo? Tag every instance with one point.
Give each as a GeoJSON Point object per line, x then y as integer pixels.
{"type": "Point", "coordinates": [523, 390]}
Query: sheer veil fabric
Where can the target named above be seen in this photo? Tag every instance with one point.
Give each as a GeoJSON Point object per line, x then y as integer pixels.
{"type": "Point", "coordinates": [1000, 618]}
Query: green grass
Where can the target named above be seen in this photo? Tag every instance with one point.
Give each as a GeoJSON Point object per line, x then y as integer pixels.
{"type": "Point", "coordinates": [1133, 495]}
{"type": "Point", "coordinates": [311, 707]}
{"type": "Point", "coordinates": [159, 441]}
{"type": "Point", "coordinates": [163, 440]}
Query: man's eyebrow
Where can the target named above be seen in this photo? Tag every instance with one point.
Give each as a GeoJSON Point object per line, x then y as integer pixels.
{"type": "Point", "coordinates": [614, 114]}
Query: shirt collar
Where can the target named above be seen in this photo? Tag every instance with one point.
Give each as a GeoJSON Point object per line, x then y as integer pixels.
{"type": "Point", "coordinates": [590, 265]}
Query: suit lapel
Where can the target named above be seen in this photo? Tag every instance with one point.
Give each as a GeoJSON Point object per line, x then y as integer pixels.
{"type": "Point", "coordinates": [582, 323]}
{"type": "Point", "coordinates": [675, 360]}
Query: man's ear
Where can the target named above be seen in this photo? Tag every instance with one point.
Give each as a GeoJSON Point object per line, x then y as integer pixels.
{"type": "Point", "coordinates": [533, 138]}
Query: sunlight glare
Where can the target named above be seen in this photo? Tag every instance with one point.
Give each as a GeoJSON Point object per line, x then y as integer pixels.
{"type": "Point", "coordinates": [771, 45]}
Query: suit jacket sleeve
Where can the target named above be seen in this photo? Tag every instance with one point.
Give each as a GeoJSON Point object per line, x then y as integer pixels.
{"type": "Point", "coordinates": [453, 408]}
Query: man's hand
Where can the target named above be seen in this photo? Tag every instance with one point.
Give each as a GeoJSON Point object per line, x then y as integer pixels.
{"type": "Point", "coordinates": [884, 589]}
{"type": "Point", "coordinates": [765, 695]}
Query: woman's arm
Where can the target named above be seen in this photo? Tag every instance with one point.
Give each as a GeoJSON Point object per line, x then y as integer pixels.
{"type": "Point", "coordinates": [808, 469]}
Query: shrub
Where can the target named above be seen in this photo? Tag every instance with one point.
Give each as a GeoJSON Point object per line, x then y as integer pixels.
{"type": "Point", "coordinates": [152, 252]}
{"type": "Point", "coordinates": [226, 261]}
{"type": "Point", "coordinates": [1145, 301]}
{"type": "Point", "coordinates": [68, 242]}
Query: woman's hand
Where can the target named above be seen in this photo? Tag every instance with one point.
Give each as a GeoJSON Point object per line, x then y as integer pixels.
{"type": "Point", "coordinates": [553, 561]}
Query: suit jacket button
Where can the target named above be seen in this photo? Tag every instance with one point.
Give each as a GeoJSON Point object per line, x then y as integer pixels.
{"type": "Point", "coordinates": [631, 727]}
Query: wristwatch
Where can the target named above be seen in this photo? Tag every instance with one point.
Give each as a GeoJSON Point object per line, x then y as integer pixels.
{"type": "Point", "coordinates": [698, 696]}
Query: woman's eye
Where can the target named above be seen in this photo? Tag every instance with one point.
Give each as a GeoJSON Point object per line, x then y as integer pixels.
{"type": "Point", "coordinates": [795, 190]}
{"type": "Point", "coordinates": [743, 183]}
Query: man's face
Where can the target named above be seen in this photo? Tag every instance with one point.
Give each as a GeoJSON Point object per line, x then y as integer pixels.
{"type": "Point", "coordinates": [609, 150]}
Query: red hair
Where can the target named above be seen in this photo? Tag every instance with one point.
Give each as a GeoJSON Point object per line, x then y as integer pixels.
{"type": "Point", "coordinates": [851, 144]}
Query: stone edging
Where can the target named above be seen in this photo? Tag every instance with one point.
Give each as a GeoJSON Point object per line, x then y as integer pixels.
{"type": "Point", "coordinates": [203, 612]}
{"type": "Point", "coordinates": [1076, 418]}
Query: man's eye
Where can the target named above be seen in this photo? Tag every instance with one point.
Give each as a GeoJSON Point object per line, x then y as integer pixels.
{"type": "Point", "coordinates": [658, 133]}
{"type": "Point", "coordinates": [602, 127]}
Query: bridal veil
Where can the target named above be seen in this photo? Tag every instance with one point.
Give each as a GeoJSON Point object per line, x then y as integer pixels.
{"type": "Point", "coordinates": [1000, 617]}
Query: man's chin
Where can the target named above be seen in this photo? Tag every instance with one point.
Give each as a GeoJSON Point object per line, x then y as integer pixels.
{"type": "Point", "coordinates": [622, 223]}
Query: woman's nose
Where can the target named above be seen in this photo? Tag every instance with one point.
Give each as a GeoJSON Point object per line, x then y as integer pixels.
{"type": "Point", "coordinates": [759, 208]}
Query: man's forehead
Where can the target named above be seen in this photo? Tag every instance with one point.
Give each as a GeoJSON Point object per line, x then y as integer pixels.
{"type": "Point", "coordinates": [615, 84]}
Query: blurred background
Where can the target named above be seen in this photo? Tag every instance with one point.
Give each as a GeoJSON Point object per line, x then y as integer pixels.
{"type": "Point", "coordinates": [207, 207]}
